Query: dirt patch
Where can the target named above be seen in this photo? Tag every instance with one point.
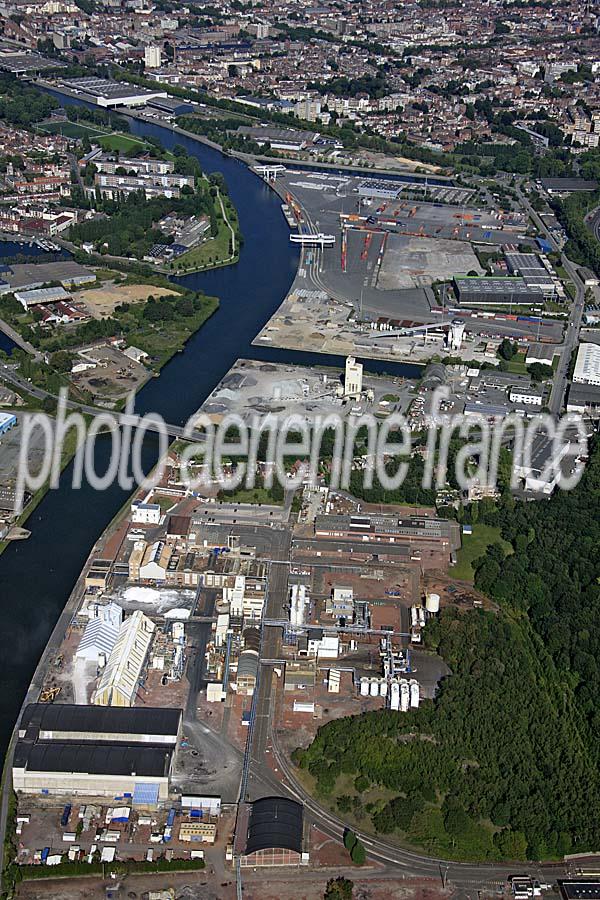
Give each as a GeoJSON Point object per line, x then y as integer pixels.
{"type": "Point", "coordinates": [102, 301]}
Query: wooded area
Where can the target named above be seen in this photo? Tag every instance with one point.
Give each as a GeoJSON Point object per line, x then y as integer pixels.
{"type": "Point", "coordinates": [504, 763]}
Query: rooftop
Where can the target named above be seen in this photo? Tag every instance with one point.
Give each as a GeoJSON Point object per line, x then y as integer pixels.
{"type": "Point", "coordinates": [275, 822]}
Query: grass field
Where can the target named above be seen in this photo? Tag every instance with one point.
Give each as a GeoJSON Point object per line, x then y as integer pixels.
{"type": "Point", "coordinates": [473, 546]}
{"type": "Point", "coordinates": [71, 129]}
{"type": "Point", "coordinates": [125, 143]}
{"type": "Point", "coordinates": [516, 365]}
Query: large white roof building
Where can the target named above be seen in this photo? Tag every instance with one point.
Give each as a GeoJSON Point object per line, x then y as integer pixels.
{"type": "Point", "coordinates": [119, 681]}
{"type": "Point", "coordinates": [587, 366]}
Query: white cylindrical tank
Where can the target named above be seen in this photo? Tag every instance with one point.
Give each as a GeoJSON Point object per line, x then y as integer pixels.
{"type": "Point", "coordinates": [364, 687]}
{"type": "Point", "coordinates": [395, 695]}
{"type": "Point", "coordinates": [432, 603]}
{"type": "Point", "coordinates": [404, 696]}
{"type": "Point", "coordinates": [414, 694]}
{"type": "Point", "coordinates": [414, 616]}
{"type": "Point", "coordinates": [374, 689]}
{"type": "Point", "coordinates": [422, 619]}
{"type": "Point", "coordinates": [101, 660]}
{"type": "Point", "coordinates": [383, 688]}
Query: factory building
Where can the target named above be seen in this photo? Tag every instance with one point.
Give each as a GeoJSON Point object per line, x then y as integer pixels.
{"type": "Point", "coordinates": [532, 271]}
{"type": "Point", "coordinates": [101, 634]}
{"type": "Point", "coordinates": [71, 750]}
{"type": "Point", "coordinates": [353, 378]}
{"type": "Point", "coordinates": [247, 672]}
{"type": "Point", "coordinates": [475, 290]}
{"type": "Point", "coordinates": [112, 93]}
{"type": "Point", "coordinates": [119, 681]}
{"type": "Point", "coordinates": [275, 833]}
{"type": "Point", "coordinates": [587, 365]}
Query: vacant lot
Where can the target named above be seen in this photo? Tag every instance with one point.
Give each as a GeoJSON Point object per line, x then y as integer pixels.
{"type": "Point", "coordinates": [473, 546]}
{"type": "Point", "coordinates": [102, 301]}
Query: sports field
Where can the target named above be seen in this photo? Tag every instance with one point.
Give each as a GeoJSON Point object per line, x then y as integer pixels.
{"type": "Point", "coordinates": [71, 129]}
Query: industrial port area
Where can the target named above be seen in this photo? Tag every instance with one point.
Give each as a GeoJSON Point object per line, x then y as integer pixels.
{"type": "Point", "coordinates": [211, 634]}
{"type": "Point", "coordinates": [204, 641]}
{"type": "Point", "coordinates": [388, 264]}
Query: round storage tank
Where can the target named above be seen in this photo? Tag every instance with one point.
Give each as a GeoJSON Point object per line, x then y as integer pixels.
{"type": "Point", "coordinates": [432, 603]}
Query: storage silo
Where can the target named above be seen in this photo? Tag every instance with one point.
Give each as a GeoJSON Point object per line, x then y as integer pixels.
{"type": "Point", "coordinates": [364, 687]}
{"type": "Point", "coordinates": [404, 696]}
{"type": "Point", "coordinates": [432, 603]}
{"type": "Point", "coordinates": [414, 694]}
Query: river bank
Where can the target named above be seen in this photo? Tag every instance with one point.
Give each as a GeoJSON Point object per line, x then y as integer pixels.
{"type": "Point", "coordinates": [38, 575]}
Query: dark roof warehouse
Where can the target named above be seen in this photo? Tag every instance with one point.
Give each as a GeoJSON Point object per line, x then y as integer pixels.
{"type": "Point", "coordinates": [275, 822]}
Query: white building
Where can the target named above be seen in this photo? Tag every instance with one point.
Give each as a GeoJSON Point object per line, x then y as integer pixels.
{"type": "Point", "coordinates": [119, 681]}
{"type": "Point", "coordinates": [100, 634]}
{"type": "Point", "coordinates": [152, 57]}
{"type": "Point", "coordinates": [341, 602]}
{"type": "Point", "coordinates": [145, 513]}
{"type": "Point", "coordinates": [529, 395]}
{"type": "Point", "coordinates": [353, 379]}
{"type": "Point", "coordinates": [587, 366]}
{"type": "Point", "coordinates": [155, 562]}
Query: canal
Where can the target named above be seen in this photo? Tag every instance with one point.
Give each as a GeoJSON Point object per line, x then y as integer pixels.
{"type": "Point", "coordinates": [36, 576]}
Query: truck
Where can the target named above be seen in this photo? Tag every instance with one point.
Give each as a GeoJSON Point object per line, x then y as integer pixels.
{"type": "Point", "coordinates": [65, 816]}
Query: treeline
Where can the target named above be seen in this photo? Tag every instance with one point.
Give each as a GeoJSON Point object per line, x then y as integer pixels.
{"type": "Point", "coordinates": [21, 104]}
{"type": "Point", "coordinates": [129, 227]}
{"type": "Point", "coordinates": [499, 766]}
{"type": "Point", "coordinates": [553, 578]}
{"type": "Point", "coordinates": [582, 246]}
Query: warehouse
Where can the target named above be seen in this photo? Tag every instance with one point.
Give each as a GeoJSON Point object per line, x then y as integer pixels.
{"type": "Point", "coordinates": [119, 681]}
{"type": "Point", "coordinates": [71, 750]}
{"type": "Point", "coordinates": [275, 833]}
{"type": "Point", "coordinates": [560, 186]}
{"type": "Point", "coordinates": [7, 421]}
{"type": "Point", "coordinates": [289, 139]}
{"type": "Point", "coordinates": [113, 93]}
{"type": "Point", "coordinates": [584, 399]}
{"type": "Point", "coordinates": [532, 271]}
{"type": "Point", "coordinates": [171, 106]}
{"type": "Point", "coordinates": [587, 366]}
{"type": "Point", "coordinates": [473, 290]}
{"type": "Point", "coordinates": [42, 295]}
{"type": "Point", "coordinates": [540, 353]}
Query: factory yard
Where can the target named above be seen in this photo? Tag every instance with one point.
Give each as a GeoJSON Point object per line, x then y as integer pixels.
{"type": "Point", "coordinates": [252, 387]}
{"type": "Point", "coordinates": [419, 262]}
{"type": "Point", "coordinates": [107, 373]}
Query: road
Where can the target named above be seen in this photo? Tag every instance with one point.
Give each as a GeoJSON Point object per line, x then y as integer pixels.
{"type": "Point", "coordinates": [559, 381]}
{"type": "Point", "coordinates": [10, 332]}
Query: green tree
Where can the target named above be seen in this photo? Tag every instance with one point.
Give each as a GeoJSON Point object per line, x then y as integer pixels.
{"type": "Point", "coordinates": [339, 889]}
